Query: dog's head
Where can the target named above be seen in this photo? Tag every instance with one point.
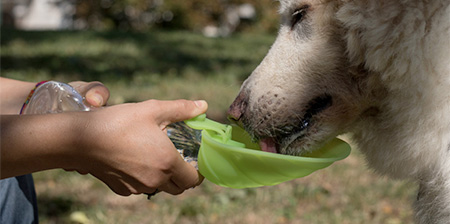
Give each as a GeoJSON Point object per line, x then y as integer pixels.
{"type": "Point", "coordinates": [303, 93]}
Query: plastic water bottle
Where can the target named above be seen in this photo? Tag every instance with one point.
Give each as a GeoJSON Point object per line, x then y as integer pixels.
{"type": "Point", "coordinates": [55, 97]}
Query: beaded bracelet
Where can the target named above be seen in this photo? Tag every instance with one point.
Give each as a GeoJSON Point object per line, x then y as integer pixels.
{"type": "Point", "coordinates": [30, 95]}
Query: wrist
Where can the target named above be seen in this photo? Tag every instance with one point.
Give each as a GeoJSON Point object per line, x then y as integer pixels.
{"type": "Point", "coordinates": [32, 143]}
{"type": "Point", "coordinates": [27, 100]}
{"type": "Point", "coordinates": [81, 153]}
{"type": "Point", "coordinates": [62, 139]}
{"type": "Point", "coordinates": [13, 94]}
{"type": "Point", "coordinates": [74, 154]}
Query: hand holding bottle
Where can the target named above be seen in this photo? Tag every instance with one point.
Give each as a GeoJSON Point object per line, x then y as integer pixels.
{"type": "Point", "coordinates": [125, 146]}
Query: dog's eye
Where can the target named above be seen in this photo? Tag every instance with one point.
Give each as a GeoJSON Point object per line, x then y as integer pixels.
{"type": "Point", "coordinates": [318, 105]}
{"type": "Point", "coordinates": [298, 15]}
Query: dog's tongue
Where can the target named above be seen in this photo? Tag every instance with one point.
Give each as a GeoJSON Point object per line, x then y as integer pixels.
{"type": "Point", "coordinates": [268, 145]}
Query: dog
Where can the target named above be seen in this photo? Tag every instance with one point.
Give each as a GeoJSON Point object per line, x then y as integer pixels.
{"type": "Point", "coordinates": [378, 70]}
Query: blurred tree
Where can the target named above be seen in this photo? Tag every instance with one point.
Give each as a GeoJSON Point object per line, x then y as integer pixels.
{"type": "Point", "coordinates": [178, 14]}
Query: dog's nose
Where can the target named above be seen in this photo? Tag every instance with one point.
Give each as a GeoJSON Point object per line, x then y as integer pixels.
{"type": "Point", "coordinates": [237, 108]}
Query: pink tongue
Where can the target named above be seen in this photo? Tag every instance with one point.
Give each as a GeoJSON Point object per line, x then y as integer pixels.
{"type": "Point", "coordinates": [268, 145]}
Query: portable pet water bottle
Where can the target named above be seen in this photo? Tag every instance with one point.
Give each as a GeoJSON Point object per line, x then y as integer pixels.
{"type": "Point", "coordinates": [57, 97]}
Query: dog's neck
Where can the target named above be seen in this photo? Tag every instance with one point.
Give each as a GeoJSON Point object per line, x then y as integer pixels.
{"type": "Point", "coordinates": [432, 200]}
{"type": "Point", "coordinates": [404, 46]}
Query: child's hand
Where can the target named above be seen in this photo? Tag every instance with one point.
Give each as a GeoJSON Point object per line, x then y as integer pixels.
{"type": "Point", "coordinates": [126, 146]}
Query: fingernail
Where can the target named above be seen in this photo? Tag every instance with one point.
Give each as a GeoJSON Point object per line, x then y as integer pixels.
{"type": "Point", "coordinates": [95, 100]}
{"type": "Point", "coordinates": [200, 103]}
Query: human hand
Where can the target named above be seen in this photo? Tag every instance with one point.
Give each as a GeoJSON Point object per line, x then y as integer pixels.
{"type": "Point", "coordinates": [95, 93]}
{"type": "Point", "coordinates": [126, 146]}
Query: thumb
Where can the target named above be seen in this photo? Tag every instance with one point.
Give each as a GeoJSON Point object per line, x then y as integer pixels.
{"type": "Point", "coordinates": [180, 110]}
{"type": "Point", "coordinates": [96, 93]}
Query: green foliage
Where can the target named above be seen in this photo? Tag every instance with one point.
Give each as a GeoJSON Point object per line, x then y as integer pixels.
{"type": "Point", "coordinates": [175, 14]}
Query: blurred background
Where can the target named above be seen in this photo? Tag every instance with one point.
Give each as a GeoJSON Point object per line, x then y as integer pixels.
{"type": "Point", "coordinates": [170, 49]}
{"type": "Point", "coordinates": [212, 18]}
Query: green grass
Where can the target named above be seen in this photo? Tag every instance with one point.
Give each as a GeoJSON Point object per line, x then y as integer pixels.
{"type": "Point", "coordinates": [178, 64]}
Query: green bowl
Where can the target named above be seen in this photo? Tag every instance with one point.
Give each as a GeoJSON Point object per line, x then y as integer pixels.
{"type": "Point", "coordinates": [229, 158]}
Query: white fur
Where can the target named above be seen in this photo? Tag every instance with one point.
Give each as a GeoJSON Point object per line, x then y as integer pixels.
{"type": "Point", "coordinates": [386, 63]}
{"type": "Point", "coordinates": [406, 44]}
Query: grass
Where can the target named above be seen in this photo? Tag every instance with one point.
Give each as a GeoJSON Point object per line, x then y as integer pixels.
{"type": "Point", "coordinates": [178, 64]}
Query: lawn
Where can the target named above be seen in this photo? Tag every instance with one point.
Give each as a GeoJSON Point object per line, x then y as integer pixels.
{"type": "Point", "coordinates": [180, 64]}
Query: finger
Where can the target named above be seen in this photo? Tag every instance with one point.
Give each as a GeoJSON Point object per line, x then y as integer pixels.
{"type": "Point", "coordinates": [180, 110]}
{"type": "Point", "coordinates": [171, 188]}
{"type": "Point", "coordinates": [96, 93]}
{"type": "Point", "coordinates": [186, 176]}
{"type": "Point", "coordinates": [82, 172]}
{"type": "Point", "coordinates": [200, 179]}
{"type": "Point", "coordinates": [114, 183]}
{"type": "Point", "coordinates": [134, 186]}
{"type": "Point", "coordinates": [122, 184]}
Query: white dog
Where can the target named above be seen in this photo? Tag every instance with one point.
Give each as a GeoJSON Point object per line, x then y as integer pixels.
{"type": "Point", "coordinates": [378, 69]}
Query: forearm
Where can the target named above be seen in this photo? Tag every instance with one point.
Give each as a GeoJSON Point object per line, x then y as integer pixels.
{"type": "Point", "coordinates": [31, 143]}
{"type": "Point", "coordinates": [13, 94]}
